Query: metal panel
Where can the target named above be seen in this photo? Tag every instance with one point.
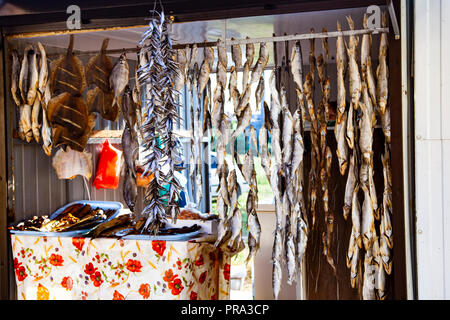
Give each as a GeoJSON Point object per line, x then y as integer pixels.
{"type": "Point", "coordinates": [432, 148]}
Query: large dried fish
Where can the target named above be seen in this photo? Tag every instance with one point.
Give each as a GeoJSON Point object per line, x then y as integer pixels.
{"type": "Point", "coordinates": [249, 52]}
{"type": "Point", "coordinates": [69, 117]}
{"type": "Point", "coordinates": [28, 84]}
{"type": "Point", "coordinates": [354, 76]}
{"type": "Point", "coordinates": [341, 65]}
{"type": "Point", "coordinates": [382, 70]}
{"type": "Point", "coordinates": [261, 63]}
{"type": "Point", "coordinates": [67, 73]}
{"type": "Point", "coordinates": [98, 69]}
{"type": "Point", "coordinates": [119, 77]}
{"type": "Point", "coordinates": [15, 75]}
{"type": "Point", "coordinates": [43, 71]}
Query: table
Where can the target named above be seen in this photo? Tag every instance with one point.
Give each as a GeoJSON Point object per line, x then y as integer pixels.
{"type": "Point", "coordinates": [48, 268]}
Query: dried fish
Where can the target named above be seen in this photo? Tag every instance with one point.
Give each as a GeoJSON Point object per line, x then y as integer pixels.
{"type": "Point", "coordinates": [15, 75]}
{"type": "Point", "coordinates": [67, 73]}
{"type": "Point", "coordinates": [28, 84]}
{"type": "Point", "coordinates": [341, 64]}
{"type": "Point", "coordinates": [222, 54]}
{"type": "Point", "coordinates": [249, 53]}
{"type": "Point", "coordinates": [382, 70]}
{"type": "Point", "coordinates": [35, 126]}
{"type": "Point", "coordinates": [350, 186]}
{"type": "Point", "coordinates": [354, 76]}
{"type": "Point", "coordinates": [261, 63]}
{"type": "Point", "coordinates": [236, 55]}
{"type": "Point", "coordinates": [259, 93]}
{"type": "Point", "coordinates": [43, 72]}
{"type": "Point", "coordinates": [368, 220]}
{"type": "Point", "coordinates": [98, 69]}
{"type": "Point", "coordinates": [46, 130]}
{"type": "Point", "coordinates": [340, 131]}
{"type": "Point", "coordinates": [350, 133]}
{"type": "Point", "coordinates": [203, 77]}
{"type": "Point", "coordinates": [119, 78]}
{"type": "Point", "coordinates": [208, 52]}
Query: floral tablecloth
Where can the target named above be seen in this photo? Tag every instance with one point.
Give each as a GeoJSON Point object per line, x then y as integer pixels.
{"type": "Point", "coordinates": [105, 268]}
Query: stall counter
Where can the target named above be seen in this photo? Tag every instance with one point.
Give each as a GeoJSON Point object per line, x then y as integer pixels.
{"type": "Point", "coordinates": [71, 268]}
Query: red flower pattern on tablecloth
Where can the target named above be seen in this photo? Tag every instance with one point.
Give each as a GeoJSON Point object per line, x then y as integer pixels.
{"type": "Point", "coordinates": [67, 283]}
{"type": "Point", "coordinates": [117, 295]}
{"type": "Point", "coordinates": [96, 279]}
{"type": "Point", "coordinates": [134, 265]}
{"type": "Point", "coordinates": [56, 260]}
{"type": "Point", "coordinates": [202, 277]}
{"type": "Point", "coordinates": [226, 271]}
{"type": "Point", "coordinates": [199, 261]}
{"type": "Point", "coordinates": [193, 295]}
{"type": "Point", "coordinates": [78, 243]}
{"type": "Point", "coordinates": [89, 268]}
{"type": "Point", "coordinates": [169, 276]}
{"type": "Point", "coordinates": [21, 273]}
{"type": "Point", "coordinates": [144, 290]}
{"type": "Point", "coordinates": [159, 246]}
{"type": "Point", "coordinates": [176, 287]}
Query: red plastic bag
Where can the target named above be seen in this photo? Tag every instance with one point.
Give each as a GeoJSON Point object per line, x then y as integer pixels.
{"type": "Point", "coordinates": [108, 169]}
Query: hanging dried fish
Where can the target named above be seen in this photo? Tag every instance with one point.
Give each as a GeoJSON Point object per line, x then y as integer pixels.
{"type": "Point", "coordinates": [35, 126]}
{"type": "Point", "coordinates": [354, 76]}
{"type": "Point", "coordinates": [382, 70]}
{"type": "Point", "coordinates": [67, 73]}
{"type": "Point", "coordinates": [312, 59]}
{"type": "Point", "coordinates": [259, 93]}
{"type": "Point", "coordinates": [28, 84]}
{"type": "Point", "coordinates": [341, 64]}
{"type": "Point", "coordinates": [98, 69]}
{"type": "Point", "coordinates": [261, 63]}
{"type": "Point", "coordinates": [236, 55]}
{"type": "Point", "coordinates": [46, 130]}
{"type": "Point", "coordinates": [160, 112]}
{"type": "Point", "coordinates": [119, 78]}
{"type": "Point", "coordinates": [43, 72]}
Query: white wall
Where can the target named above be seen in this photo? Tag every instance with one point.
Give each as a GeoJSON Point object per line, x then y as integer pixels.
{"type": "Point", "coordinates": [432, 143]}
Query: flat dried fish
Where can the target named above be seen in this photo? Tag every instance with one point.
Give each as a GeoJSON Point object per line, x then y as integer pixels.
{"type": "Point", "coordinates": [67, 73]}
{"type": "Point", "coordinates": [101, 102]}
{"type": "Point", "coordinates": [98, 69]}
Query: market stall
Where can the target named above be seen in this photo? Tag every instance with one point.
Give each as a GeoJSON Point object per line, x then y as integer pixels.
{"type": "Point", "coordinates": [303, 113]}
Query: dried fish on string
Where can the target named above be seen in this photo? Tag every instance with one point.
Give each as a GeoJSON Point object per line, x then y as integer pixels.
{"type": "Point", "coordinates": [382, 70]}
{"type": "Point", "coordinates": [28, 85]}
{"type": "Point", "coordinates": [261, 63]}
{"type": "Point", "coordinates": [354, 76]}
{"type": "Point", "coordinates": [259, 93]}
{"type": "Point", "coordinates": [119, 78]}
{"type": "Point", "coordinates": [296, 65]}
{"type": "Point", "coordinates": [160, 111]}
{"type": "Point", "coordinates": [341, 65]}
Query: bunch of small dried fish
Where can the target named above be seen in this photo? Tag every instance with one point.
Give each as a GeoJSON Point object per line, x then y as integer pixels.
{"type": "Point", "coordinates": [158, 114]}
